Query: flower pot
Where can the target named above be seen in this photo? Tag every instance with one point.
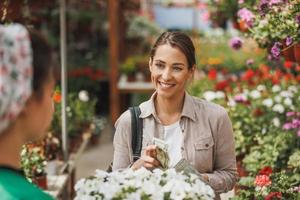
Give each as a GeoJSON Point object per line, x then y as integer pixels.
{"type": "Point", "coordinates": [41, 181]}
{"type": "Point", "coordinates": [297, 52]}
{"type": "Point", "coordinates": [288, 54]}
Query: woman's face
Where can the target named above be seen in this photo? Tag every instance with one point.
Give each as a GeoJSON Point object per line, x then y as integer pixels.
{"type": "Point", "coordinates": [169, 71]}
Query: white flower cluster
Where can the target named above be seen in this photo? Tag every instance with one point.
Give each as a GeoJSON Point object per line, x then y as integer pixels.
{"type": "Point", "coordinates": [142, 184]}
{"type": "Point", "coordinates": [211, 95]}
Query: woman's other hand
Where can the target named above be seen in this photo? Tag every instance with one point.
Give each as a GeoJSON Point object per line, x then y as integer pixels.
{"type": "Point", "coordinates": [148, 159]}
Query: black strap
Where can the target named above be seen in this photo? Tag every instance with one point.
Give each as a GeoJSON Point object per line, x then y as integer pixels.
{"type": "Point", "coordinates": [136, 132]}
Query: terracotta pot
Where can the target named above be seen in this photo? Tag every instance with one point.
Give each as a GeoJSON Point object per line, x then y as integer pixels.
{"type": "Point", "coordinates": [288, 54]}
{"type": "Point", "coordinates": [41, 181]}
{"type": "Point", "coordinates": [297, 52]}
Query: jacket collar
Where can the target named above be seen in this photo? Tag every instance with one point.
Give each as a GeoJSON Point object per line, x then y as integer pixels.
{"type": "Point", "coordinates": [148, 108]}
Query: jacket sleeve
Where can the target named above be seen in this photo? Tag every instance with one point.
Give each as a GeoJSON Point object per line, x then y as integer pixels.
{"type": "Point", "coordinates": [122, 142]}
{"type": "Point", "coordinates": [225, 173]}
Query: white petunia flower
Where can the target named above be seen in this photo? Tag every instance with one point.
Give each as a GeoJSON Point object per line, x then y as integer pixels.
{"type": "Point", "coordinates": [286, 94]}
{"type": "Point", "coordinates": [278, 99]}
{"type": "Point", "coordinates": [276, 88]}
{"type": "Point", "coordinates": [155, 184]}
{"type": "Point", "coordinates": [83, 95]}
{"type": "Point", "coordinates": [209, 95]}
{"type": "Point", "coordinates": [255, 94]}
{"type": "Point", "coordinates": [288, 101]}
{"type": "Point", "coordinates": [278, 108]}
{"type": "Point", "coordinates": [220, 95]}
{"type": "Point", "coordinates": [276, 122]}
{"type": "Point", "coordinates": [261, 88]}
{"type": "Point", "coordinates": [231, 103]}
{"type": "Point", "coordinates": [293, 89]}
{"type": "Point", "coordinates": [268, 102]}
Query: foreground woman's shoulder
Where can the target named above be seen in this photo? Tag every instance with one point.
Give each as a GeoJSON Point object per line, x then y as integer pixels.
{"type": "Point", "coordinates": [207, 107]}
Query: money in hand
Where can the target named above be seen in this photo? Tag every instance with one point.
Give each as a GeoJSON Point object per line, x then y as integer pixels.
{"type": "Point", "coordinates": [162, 152]}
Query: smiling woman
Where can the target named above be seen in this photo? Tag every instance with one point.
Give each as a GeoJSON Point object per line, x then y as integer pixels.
{"type": "Point", "coordinates": [197, 133]}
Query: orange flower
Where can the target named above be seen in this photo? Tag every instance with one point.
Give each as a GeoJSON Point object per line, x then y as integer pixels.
{"type": "Point", "coordinates": [57, 97]}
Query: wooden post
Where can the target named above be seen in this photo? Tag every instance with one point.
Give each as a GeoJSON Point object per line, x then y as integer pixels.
{"type": "Point", "coordinates": [113, 15]}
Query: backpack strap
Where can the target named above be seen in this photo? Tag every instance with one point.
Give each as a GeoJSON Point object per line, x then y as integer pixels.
{"type": "Point", "coordinates": [136, 132]}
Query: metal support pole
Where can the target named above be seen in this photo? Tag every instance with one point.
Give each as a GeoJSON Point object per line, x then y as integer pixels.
{"type": "Point", "coordinates": [63, 57]}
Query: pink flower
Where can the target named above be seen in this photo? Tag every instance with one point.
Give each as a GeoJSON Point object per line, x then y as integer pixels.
{"type": "Point", "coordinates": [288, 114]}
{"type": "Point", "coordinates": [235, 43]}
{"type": "Point", "coordinates": [262, 180]}
{"type": "Point", "coordinates": [250, 61]}
{"type": "Point", "coordinates": [247, 16]}
{"type": "Point", "coordinates": [272, 2]}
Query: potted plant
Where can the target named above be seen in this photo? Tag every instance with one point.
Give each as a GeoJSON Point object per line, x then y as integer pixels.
{"type": "Point", "coordinates": [275, 25]}
{"type": "Point", "coordinates": [143, 184]}
{"type": "Point", "coordinates": [128, 68]}
{"type": "Point", "coordinates": [223, 10]}
{"type": "Point", "coordinates": [33, 163]}
{"type": "Point", "coordinates": [268, 184]}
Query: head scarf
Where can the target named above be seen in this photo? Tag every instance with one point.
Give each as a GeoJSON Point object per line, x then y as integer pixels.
{"type": "Point", "coordinates": [15, 72]}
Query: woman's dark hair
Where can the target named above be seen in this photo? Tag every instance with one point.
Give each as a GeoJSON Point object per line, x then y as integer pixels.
{"type": "Point", "coordinates": [42, 61]}
{"type": "Point", "coordinates": [179, 40]}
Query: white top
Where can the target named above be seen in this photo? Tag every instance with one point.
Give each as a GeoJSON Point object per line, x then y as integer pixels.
{"type": "Point", "coordinates": [173, 137]}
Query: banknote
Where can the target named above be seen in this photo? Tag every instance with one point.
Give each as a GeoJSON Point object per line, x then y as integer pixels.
{"type": "Point", "coordinates": [162, 152]}
{"type": "Point", "coordinates": [184, 166]}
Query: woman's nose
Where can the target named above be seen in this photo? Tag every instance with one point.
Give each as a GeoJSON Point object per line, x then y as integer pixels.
{"type": "Point", "coordinates": [166, 75]}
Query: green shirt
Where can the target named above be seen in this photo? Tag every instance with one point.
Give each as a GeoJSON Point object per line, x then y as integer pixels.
{"type": "Point", "coordinates": [14, 186]}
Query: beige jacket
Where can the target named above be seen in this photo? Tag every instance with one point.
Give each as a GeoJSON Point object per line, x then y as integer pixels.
{"type": "Point", "coordinates": [208, 142]}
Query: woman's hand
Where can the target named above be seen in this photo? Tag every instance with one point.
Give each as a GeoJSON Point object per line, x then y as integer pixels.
{"type": "Point", "coordinates": [148, 159]}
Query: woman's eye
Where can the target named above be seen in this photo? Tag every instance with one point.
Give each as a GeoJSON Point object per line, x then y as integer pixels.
{"type": "Point", "coordinates": [177, 69]}
{"type": "Point", "coordinates": [160, 66]}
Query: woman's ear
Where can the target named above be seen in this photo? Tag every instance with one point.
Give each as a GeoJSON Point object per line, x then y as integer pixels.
{"type": "Point", "coordinates": [192, 71]}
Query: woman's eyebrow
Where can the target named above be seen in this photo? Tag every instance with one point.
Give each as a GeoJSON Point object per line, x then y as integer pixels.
{"type": "Point", "coordinates": [159, 61]}
{"type": "Point", "coordinates": [178, 64]}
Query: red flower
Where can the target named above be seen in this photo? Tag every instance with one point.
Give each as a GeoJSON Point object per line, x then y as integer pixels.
{"type": "Point", "coordinates": [265, 171]}
{"type": "Point", "coordinates": [212, 74]}
{"type": "Point", "coordinates": [258, 112]}
{"type": "Point", "coordinates": [249, 74]}
{"type": "Point", "coordinates": [221, 85]}
{"type": "Point", "coordinates": [288, 77]}
{"type": "Point", "coordinates": [288, 64]}
{"type": "Point", "coordinates": [262, 180]}
{"type": "Point", "coordinates": [273, 195]}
